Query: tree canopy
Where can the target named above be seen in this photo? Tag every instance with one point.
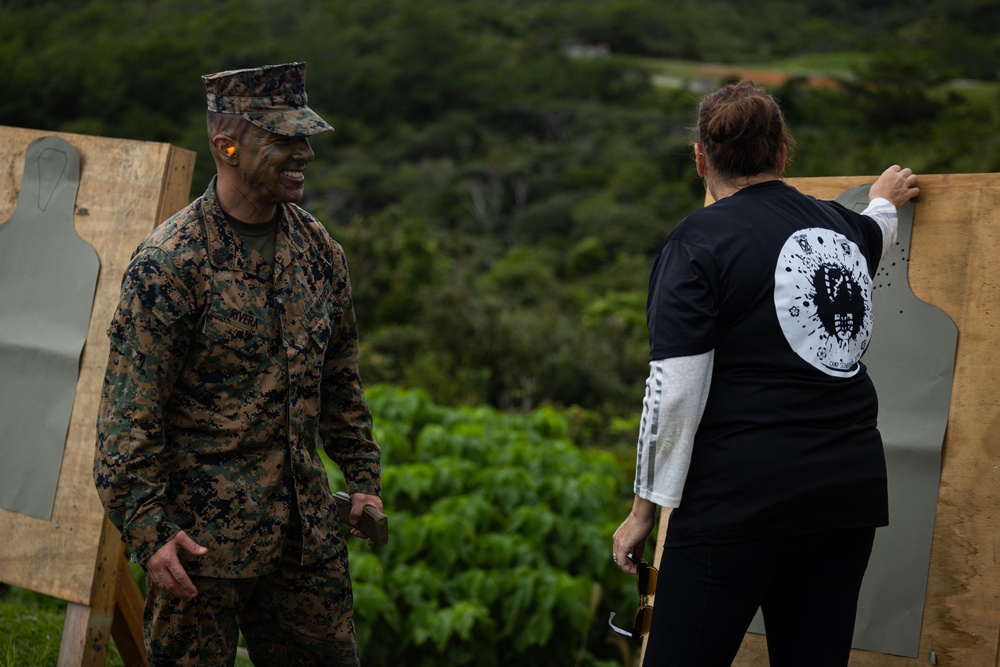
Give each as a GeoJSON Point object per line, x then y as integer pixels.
{"type": "Point", "coordinates": [502, 173]}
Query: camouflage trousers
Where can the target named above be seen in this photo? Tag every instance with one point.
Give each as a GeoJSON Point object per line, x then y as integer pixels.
{"type": "Point", "coordinates": [297, 616]}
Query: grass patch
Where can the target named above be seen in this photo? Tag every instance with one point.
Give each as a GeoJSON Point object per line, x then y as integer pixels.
{"type": "Point", "coordinates": [981, 96]}
{"type": "Point", "coordinates": [31, 626]}
{"type": "Point", "coordinates": [836, 65]}
{"type": "Point", "coordinates": [30, 635]}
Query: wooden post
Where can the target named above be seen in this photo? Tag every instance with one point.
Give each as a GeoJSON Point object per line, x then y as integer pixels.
{"type": "Point", "coordinates": [126, 627]}
{"type": "Point", "coordinates": [126, 189]}
{"type": "Point", "coordinates": [87, 631]}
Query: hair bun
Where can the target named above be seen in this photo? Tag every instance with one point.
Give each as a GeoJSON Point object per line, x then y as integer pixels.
{"type": "Point", "coordinates": [742, 130]}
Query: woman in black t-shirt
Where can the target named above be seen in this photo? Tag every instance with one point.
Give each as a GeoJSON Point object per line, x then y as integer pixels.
{"type": "Point", "coordinates": [759, 420]}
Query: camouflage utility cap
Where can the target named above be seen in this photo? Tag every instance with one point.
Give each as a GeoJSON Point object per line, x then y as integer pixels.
{"type": "Point", "coordinates": [272, 97]}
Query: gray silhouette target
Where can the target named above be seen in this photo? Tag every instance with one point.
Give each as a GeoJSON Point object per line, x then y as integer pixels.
{"type": "Point", "coordinates": [48, 276]}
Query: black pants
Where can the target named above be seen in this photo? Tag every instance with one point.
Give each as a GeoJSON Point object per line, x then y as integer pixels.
{"type": "Point", "coordinates": [806, 587]}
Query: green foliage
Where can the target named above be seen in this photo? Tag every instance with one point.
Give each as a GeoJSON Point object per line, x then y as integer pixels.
{"type": "Point", "coordinates": [892, 89]}
{"type": "Point", "coordinates": [501, 178]}
{"type": "Point", "coordinates": [499, 532]}
{"type": "Point", "coordinates": [500, 169]}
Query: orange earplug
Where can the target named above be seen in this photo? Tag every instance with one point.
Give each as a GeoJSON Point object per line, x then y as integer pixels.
{"type": "Point", "coordinates": [231, 150]}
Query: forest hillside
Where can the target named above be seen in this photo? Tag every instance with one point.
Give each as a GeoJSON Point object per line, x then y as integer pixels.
{"type": "Point", "coordinates": [503, 172]}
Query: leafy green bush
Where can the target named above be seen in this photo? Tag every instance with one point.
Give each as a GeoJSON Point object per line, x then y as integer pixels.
{"type": "Point", "coordinates": [499, 536]}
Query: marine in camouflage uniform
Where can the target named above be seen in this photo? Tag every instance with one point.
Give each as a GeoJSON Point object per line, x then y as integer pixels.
{"type": "Point", "coordinates": [230, 359]}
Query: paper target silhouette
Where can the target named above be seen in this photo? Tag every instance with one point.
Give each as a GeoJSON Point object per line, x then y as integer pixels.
{"type": "Point", "coordinates": [48, 276]}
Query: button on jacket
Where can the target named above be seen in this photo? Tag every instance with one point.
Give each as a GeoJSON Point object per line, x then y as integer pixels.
{"type": "Point", "coordinates": [223, 375]}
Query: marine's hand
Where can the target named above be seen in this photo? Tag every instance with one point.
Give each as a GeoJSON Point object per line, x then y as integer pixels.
{"type": "Point", "coordinates": [165, 571]}
{"type": "Point", "coordinates": [358, 502]}
{"type": "Point", "coordinates": [896, 184]}
{"type": "Point", "coordinates": [630, 538]}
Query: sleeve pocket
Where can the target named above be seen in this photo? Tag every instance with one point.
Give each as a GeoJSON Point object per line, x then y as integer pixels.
{"type": "Point", "coordinates": [135, 334]}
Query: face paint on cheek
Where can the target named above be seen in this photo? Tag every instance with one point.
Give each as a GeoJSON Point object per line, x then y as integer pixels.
{"type": "Point", "coordinates": [263, 175]}
{"type": "Point", "coordinates": [256, 172]}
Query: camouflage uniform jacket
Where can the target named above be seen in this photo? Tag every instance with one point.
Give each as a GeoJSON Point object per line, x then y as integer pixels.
{"type": "Point", "coordinates": [222, 375]}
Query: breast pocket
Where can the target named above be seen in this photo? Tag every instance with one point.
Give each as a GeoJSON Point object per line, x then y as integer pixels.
{"type": "Point", "coordinates": [233, 343]}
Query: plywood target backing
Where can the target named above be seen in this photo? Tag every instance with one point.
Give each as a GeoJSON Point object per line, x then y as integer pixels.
{"type": "Point", "coordinates": [126, 188]}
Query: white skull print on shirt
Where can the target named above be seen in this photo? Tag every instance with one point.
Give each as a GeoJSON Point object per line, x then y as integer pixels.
{"type": "Point", "coordinates": [823, 299]}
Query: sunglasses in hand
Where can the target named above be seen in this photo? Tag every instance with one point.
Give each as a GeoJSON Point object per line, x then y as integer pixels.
{"type": "Point", "coordinates": [646, 583]}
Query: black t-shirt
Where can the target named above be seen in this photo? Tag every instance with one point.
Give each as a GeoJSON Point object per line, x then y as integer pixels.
{"type": "Point", "coordinates": [778, 285]}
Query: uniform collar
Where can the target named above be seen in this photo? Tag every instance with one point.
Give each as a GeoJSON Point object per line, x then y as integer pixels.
{"type": "Point", "coordinates": [226, 249]}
